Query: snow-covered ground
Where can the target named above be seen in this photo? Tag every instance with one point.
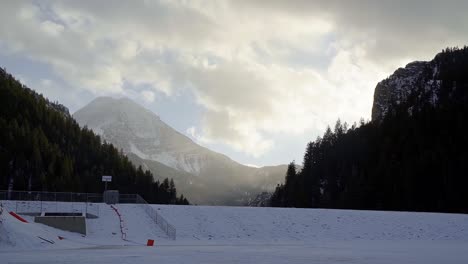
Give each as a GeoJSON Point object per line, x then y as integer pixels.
{"type": "Point", "coordinates": [103, 231]}
{"type": "Point", "coordinates": [271, 225]}
{"type": "Point", "coordinates": [244, 235]}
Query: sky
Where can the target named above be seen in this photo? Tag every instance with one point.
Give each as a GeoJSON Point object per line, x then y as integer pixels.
{"type": "Point", "coordinates": [255, 80]}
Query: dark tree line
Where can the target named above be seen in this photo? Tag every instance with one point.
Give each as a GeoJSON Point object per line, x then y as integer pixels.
{"type": "Point", "coordinates": [42, 148]}
{"type": "Point", "coordinates": [412, 160]}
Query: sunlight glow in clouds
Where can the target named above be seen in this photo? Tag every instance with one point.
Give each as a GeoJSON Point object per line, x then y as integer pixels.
{"type": "Point", "coordinates": [258, 69]}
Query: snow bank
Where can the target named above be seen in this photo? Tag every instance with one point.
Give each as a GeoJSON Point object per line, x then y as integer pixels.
{"type": "Point", "coordinates": [137, 225]}
{"type": "Point", "coordinates": [20, 235]}
{"type": "Point", "coordinates": [102, 231]}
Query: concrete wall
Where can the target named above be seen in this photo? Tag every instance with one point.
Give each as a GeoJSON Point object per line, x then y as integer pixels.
{"type": "Point", "coordinates": [68, 223]}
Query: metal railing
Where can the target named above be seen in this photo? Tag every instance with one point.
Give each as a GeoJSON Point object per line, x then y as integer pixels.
{"type": "Point", "coordinates": [167, 228]}
{"type": "Point", "coordinates": [50, 196]}
{"type": "Point", "coordinates": [38, 202]}
{"type": "Point", "coordinates": [129, 198]}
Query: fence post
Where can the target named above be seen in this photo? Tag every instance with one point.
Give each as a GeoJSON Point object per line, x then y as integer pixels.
{"type": "Point", "coordinates": [86, 208]}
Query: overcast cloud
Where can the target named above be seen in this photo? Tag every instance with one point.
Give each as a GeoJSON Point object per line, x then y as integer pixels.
{"type": "Point", "coordinates": [260, 70]}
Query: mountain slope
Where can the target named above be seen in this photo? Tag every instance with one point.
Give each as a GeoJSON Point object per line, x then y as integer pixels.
{"type": "Point", "coordinates": [42, 148]}
{"type": "Point", "coordinates": [210, 177]}
{"type": "Point", "coordinates": [137, 130]}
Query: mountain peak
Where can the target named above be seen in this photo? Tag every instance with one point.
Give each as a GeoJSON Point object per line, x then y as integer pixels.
{"type": "Point", "coordinates": [153, 144]}
{"type": "Point", "coordinates": [136, 129]}
{"type": "Point", "coordinates": [121, 104]}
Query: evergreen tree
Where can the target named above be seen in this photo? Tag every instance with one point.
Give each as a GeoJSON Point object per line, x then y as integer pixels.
{"type": "Point", "coordinates": [42, 148]}
{"type": "Point", "coordinates": [411, 160]}
{"type": "Point", "coordinates": [290, 190]}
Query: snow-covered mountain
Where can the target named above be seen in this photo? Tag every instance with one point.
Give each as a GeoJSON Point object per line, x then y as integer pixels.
{"type": "Point", "coordinates": [139, 131]}
{"type": "Point", "coordinates": [208, 177]}
{"type": "Point", "coordinates": [419, 78]}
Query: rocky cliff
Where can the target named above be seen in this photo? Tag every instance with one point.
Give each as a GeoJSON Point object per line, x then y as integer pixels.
{"type": "Point", "coordinates": [419, 79]}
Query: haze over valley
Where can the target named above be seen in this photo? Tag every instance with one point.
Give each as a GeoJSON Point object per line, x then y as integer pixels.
{"type": "Point", "coordinates": [202, 175]}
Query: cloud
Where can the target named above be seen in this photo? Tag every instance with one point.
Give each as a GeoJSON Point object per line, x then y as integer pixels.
{"type": "Point", "coordinates": [257, 69]}
{"type": "Point", "coordinates": [391, 29]}
{"type": "Point", "coordinates": [148, 96]}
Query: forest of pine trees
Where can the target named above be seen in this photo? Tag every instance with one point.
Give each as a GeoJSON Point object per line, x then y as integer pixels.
{"type": "Point", "coordinates": [42, 148]}
{"type": "Point", "coordinates": [414, 161]}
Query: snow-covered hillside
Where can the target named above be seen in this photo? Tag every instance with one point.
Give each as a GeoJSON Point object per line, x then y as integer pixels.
{"type": "Point", "coordinates": [204, 176]}
{"type": "Point", "coordinates": [136, 129]}
{"type": "Point", "coordinates": [245, 235]}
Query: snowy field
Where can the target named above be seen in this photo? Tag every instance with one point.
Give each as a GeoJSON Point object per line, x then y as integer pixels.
{"type": "Point", "coordinates": [243, 235]}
